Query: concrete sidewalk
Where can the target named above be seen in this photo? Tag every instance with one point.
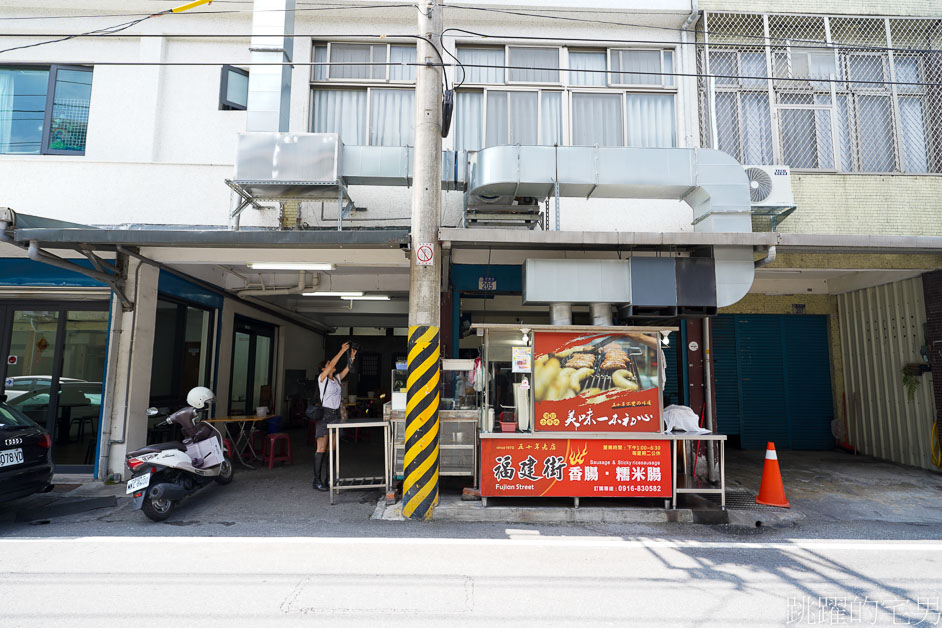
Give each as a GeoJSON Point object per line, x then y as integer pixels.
{"type": "Point", "coordinates": [823, 487]}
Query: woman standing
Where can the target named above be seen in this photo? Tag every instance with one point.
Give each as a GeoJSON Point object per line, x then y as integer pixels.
{"type": "Point", "coordinates": [329, 384]}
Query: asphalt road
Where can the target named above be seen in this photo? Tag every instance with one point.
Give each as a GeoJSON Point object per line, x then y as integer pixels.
{"type": "Point", "coordinates": [526, 578]}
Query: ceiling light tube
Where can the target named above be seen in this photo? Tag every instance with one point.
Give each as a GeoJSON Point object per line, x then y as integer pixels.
{"type": "Point", "coordinates": [290, 266]}
{"type": "Point", "coordinates": [369, 297]}
{"type": "Point", "coordinates": [332, 294]}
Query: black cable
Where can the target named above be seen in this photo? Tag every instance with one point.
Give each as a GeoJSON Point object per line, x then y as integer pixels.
{"type": "Point", "coordinates": [108, 30]}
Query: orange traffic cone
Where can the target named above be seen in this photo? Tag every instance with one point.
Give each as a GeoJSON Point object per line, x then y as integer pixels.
{"type": "Point", "coordinates": [772, 491]}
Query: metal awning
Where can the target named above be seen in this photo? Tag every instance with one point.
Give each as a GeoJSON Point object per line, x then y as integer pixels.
{"type": "Point", "coordinates": [21, 229]}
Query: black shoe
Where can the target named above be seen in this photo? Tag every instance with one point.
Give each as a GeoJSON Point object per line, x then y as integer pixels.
{"type": "Point", "coordinates": [320, 486]}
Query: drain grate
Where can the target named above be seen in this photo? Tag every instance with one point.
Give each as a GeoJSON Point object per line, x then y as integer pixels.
{"type": "Point", "coordinates": [741, 499]}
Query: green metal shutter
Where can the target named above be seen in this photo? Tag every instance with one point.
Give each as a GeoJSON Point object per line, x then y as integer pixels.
{"type": "Point", "coordinates": [810, 404]}
{"type": "Point", "coordinates": [726, 374]}
{"type": "Point", "coordinates": [763, 388]}
{"type": "Point", "coordinates": [773, 380]}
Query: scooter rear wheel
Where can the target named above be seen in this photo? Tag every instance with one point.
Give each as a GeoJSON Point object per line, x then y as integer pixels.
{"type": "Point", "coordinates": [226, 471]}
{"type": "Point", "coordinates": [158, 509]}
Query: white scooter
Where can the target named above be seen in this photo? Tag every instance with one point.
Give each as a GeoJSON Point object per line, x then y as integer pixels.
{"type": "Point", "coordinates": [165, 473]}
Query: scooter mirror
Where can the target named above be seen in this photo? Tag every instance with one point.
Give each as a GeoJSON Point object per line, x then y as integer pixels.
{"type": "Point", "coordinates": [152, 411]}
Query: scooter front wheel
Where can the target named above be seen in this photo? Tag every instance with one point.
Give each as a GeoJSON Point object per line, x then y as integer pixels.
{"type": "Point", "coordinates": [226, 471]}
{"type": "Point", "coordinates": [158, 509]}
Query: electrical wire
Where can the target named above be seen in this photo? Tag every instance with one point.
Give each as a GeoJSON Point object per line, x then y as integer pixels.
{"type": "Point", "coordinates": [108, 30]}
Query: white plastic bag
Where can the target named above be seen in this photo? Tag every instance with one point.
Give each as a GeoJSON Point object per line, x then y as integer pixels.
{"type": "Point", "coordinates": [477, 377]}
{"type": "Point", "coordinates": [682, 419]}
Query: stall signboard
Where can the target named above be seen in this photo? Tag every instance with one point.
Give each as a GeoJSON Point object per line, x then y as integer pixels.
{"type": "Point", "coordinates": [596, 382]}
{"type": "Point", "coordinates": [561, 467]}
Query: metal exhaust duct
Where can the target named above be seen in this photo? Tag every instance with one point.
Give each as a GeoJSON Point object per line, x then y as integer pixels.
{"type": "Point", "coordinates": [601, 314]}
{"type": "Point", "coordinates": [560, 313]}
{"type": "Point", "coordinates": [270, 85]}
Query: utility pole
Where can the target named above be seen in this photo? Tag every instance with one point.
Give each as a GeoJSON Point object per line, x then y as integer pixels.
{"type": "Point", "coordinates": [420, 488]}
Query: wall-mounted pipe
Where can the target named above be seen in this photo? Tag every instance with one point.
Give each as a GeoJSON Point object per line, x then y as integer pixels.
{"type": "Point", "coordinates": [768, 259]}
{"type": "Point", "coordinates": [279, 291]}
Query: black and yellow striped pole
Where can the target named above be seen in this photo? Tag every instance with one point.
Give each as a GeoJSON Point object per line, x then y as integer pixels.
{"type": "Point", "coordinates": [420, 490]}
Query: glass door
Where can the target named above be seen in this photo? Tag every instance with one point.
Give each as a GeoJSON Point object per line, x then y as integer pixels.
{"type": "Point", "coordinates": [53, 373]}
{"type": "Point", "coordinates": [253, 351]}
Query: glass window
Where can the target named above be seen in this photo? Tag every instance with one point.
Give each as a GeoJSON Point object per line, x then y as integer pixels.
{"type": "Point", "coordinates": [587, 68]}
{"type": "Point", "coordinates": [483, 65]}
{"type": "Point", "coordinates": [367, 54]}
{"type": "Point", "coordinates": [344, 111]}
{"type": "Point", "coordinates": [597, 119]}
{"type": "Point", "coordinates": [636, 67]}
{"type": "Point", "coordinates": [182, 351]}
{"type": "Point", "coordinates": [650, 120]}
{"type": "Point", "coordinates": [533, 65]}
{"type": "Point", "coordinates": [234, 89]}
{"type": "Point", "coordinates": [469, 111]}
{"type": "Point", "coordinates": [512, 118]}
{"type": "Point", "coordinates": [31, 122]}
{"type": "Point", "coordinates": [68, 117]}
{"type": "Point", "coordinates": [402, 54]}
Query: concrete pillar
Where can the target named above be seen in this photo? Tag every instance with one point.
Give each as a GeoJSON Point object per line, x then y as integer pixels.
{"type": "Point", "coordinates": [126, 427]}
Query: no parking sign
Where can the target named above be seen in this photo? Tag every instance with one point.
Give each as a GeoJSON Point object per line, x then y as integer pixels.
{"type": "Point", "coordinates": [424, 254]}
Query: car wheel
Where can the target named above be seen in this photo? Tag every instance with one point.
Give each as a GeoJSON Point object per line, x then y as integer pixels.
{"type": "Point", "coordinates": [158, 509]}
{"type": "Point", "coordinates": [226, 471]}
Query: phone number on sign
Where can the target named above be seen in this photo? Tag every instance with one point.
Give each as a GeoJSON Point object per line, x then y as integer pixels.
{"type": "Point", "coordinates": [627, 489]}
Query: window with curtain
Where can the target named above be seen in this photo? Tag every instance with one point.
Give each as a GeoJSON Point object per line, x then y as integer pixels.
{"type": "Point", "coordinates": [362, 101]}
{"type": "Point", "coordinates": [44, 110]}
{"type": "Point", "coordinates": [532, 65]}
{"type": "Point", "coordinates": [344, 111]}
{"type": "Point", "coordinates": [579, 115]}
{"type": "Point", "coordinates": [642, 67]}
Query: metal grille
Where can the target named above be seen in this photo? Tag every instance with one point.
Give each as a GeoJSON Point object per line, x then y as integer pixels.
{"type": "Point", "coordinates": [814, 92]}
{"type": "Point", "coordinates": [69, 124]}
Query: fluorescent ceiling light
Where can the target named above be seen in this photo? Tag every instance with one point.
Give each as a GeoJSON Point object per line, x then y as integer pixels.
{"type": "Point", "coordinates": [372, 297]}
{"type": "Point", "coordinates": [332, 294]}
{"type": "Point", "coordinates": [290, 266]}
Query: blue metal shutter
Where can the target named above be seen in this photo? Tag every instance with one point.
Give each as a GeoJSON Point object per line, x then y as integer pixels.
{"type": "Point", "coordinates": [763, 391]}
{"type": "Point", "coordinates": [810, 402]}
{"type": "Point", "coordinates": [726, 374]}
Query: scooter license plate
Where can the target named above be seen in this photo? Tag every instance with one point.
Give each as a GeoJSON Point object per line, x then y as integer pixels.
{"type": "Point", "coordinates": [141, 481]}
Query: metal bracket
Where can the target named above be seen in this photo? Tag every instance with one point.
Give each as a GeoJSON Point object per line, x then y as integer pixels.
{"type": "Point", "coordinates": [114, 280]}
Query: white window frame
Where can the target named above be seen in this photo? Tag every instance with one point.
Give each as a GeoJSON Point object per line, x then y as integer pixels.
{"type": "Point", "coordinates": [358, 81]}
{"type": "Point", "coordinates": [610, 75]}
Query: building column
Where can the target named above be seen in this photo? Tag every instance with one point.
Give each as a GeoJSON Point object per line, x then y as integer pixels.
{"type": "Point", "coordinates": [125, 426]}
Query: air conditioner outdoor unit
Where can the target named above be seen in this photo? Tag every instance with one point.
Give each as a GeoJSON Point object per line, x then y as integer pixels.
{"type": "Point", "coordinates": [770, 186]}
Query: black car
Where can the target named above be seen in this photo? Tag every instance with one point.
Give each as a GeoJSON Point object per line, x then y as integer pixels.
{"type": "Point", "coordinates": [25, 455]}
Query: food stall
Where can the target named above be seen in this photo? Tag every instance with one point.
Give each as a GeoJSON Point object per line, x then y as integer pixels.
{"type": "Point", "coordinates": [458, 417]}
{"type": "Point", "coordinates": [576, 411]}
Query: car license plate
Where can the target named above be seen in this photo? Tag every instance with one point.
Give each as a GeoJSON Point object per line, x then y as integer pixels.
{"type": "Point", "coordinates": [141, 481]}
{"type": "Point", "coordinates": [11, 457]}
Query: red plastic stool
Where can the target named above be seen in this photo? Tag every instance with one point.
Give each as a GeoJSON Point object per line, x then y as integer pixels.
{"type": "Point", "coordinates": [284, 452]}
{"type": "Point", "coordinates": [230, 449]}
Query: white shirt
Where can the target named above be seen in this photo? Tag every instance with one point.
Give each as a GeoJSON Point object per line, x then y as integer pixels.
{"type": "Point", "coordinates": [330, 393]}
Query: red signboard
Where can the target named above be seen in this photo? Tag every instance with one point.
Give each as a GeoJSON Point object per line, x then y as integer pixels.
{"type": "Point", "coordinates": [589, 382]}
{"type": "Point", "coordinates": [559, 467]}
